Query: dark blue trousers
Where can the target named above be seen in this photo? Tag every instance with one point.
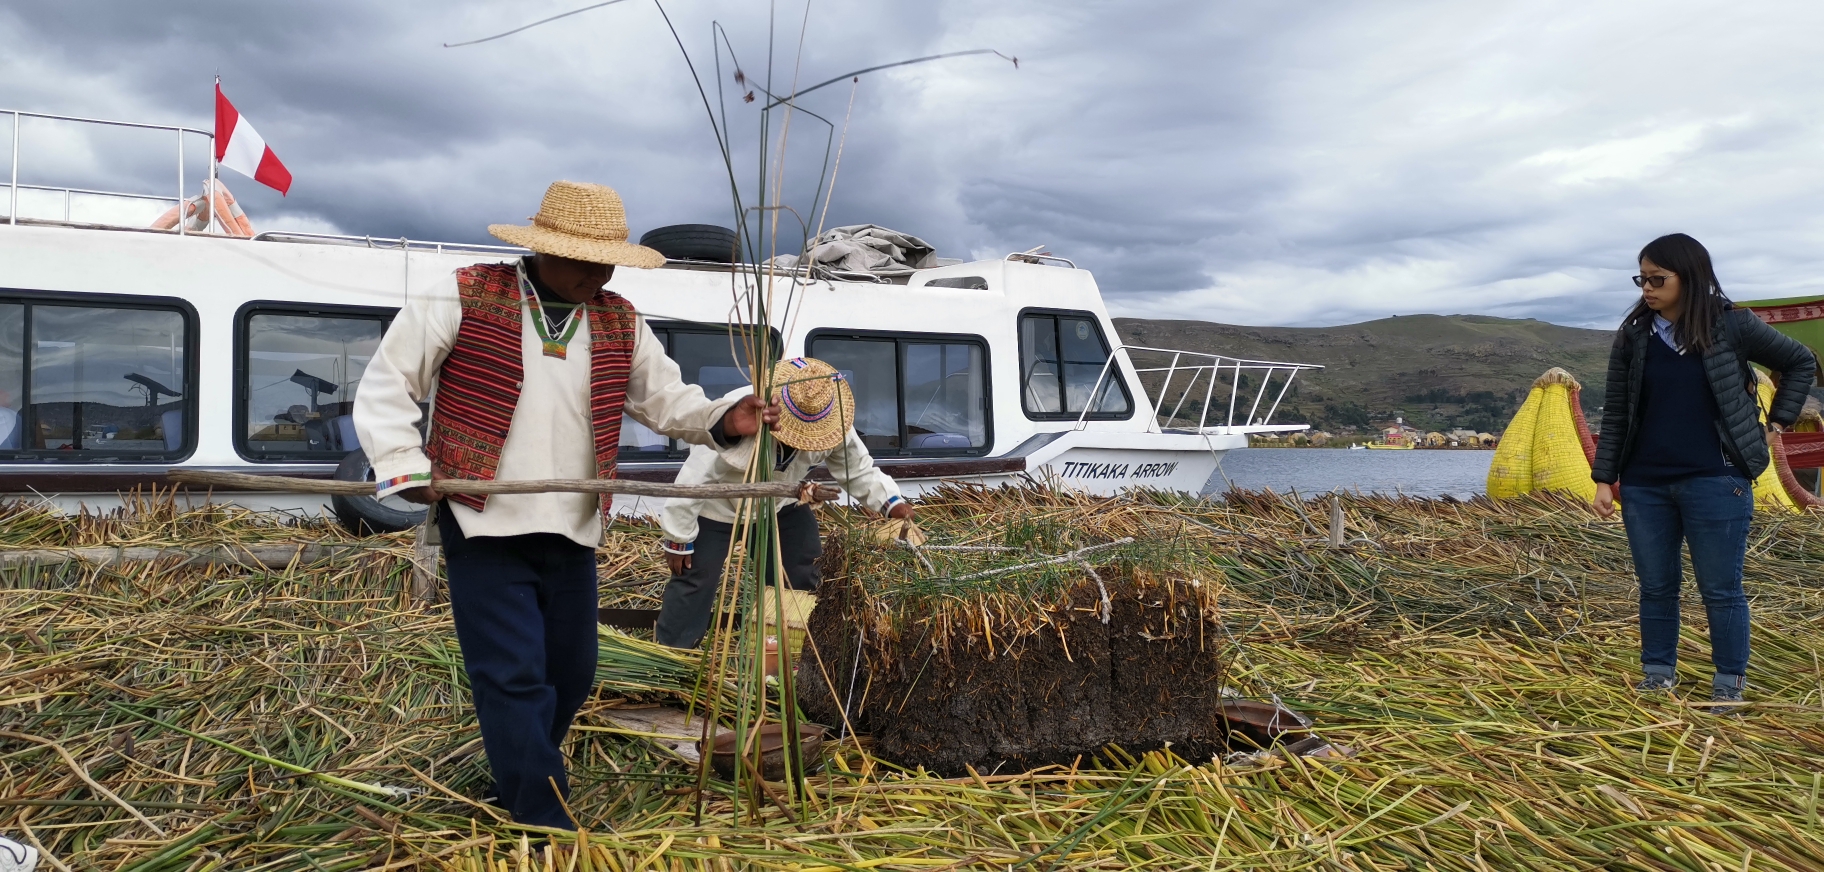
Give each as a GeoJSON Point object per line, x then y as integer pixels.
{"type": "Point", "coordinates": [525, 610]}
{"type": "Point", "coordinates": [1710, 514]}
{"type": "Point", "coordinates": [690, 597]}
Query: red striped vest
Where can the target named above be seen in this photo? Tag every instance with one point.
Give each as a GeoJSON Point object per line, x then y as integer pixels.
{"type": "Point", "coordinates": [478, 386]}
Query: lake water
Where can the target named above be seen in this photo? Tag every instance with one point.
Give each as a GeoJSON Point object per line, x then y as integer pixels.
{"type": "Point", "coordinates": [1417, 473]}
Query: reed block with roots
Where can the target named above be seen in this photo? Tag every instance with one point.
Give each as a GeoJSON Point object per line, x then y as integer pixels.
{"type": "Point", "coordinates": [952, 681]}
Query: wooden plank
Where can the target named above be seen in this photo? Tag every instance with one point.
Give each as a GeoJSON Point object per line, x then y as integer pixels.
{"type": "Point", "coordinates": [672, 727]}
{"type": "Point", "coordinates": [628, 619]}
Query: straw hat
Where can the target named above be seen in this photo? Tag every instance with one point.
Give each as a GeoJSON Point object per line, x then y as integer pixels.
{"type": "Point", "coordinates": [582, 222]}
{"type": "Point", "coordinates": [816, 406]}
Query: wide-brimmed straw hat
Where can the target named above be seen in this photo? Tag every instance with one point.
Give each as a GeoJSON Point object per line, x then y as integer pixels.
{"type": "Point", "coordinates": [581, 221]}
{"type": "Point", "coordinates": [816, 406]}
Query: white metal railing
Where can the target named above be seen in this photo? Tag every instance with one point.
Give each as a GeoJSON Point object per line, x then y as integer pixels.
{"type": "Point", "coordinates": [1211, 370]}
{"type": "Point", "coordinates": [12, 214]}
{"type": "Point", "coordinates": [400, 243]}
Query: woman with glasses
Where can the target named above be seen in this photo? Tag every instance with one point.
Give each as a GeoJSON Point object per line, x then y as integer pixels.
{"type": "Point", "coordinates": [1681, 442]}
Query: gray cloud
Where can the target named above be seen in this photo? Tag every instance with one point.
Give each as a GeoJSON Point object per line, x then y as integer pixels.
{"type": "Point", "coordinates": [1250, 162]}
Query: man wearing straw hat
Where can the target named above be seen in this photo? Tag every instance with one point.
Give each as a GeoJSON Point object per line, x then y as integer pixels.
{"type": "Point", "coordinates": [533, 363]}
{"type": "Point", "coordinates": [816, 426]}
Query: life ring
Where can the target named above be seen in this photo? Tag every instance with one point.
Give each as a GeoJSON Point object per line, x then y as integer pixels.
{"type": "Point", "coordinates": [196, 212]}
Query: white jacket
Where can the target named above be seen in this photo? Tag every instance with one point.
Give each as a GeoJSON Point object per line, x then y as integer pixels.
{"type": "Point", "coordinates": [550, 436]}
{"type": "Point", "coordinates": [849, 463]}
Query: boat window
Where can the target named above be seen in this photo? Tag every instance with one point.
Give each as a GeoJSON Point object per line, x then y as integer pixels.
{"type": "Point", "coordinates": [12, 375]}
{"type": "Point", "coordinates": [915, 394]}
{"type": "Point", "coordinates": [715, 359]}
{"type": "Point", "coordinates": [1063, 356]}
{"type": "Point", "coordinates": [872, 368]}
{"type": "Point", "coordinates": [93, 382]}
{"type": "Point", "coordinates": [298, 377]}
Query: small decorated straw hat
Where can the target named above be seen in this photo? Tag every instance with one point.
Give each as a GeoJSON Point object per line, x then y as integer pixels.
{"type": "Point", "coordinates": [581, 221]}
{"type": "Point", "coordinates": [816, 406]}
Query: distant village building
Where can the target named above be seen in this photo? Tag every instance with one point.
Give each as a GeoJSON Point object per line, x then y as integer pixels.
{"type": "Point", "coordinates": [1436, 440]}
{"type": "Point", "coordinates": [1463, 436]}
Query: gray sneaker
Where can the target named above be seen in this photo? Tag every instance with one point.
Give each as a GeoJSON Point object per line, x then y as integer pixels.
{"type": "Point", "coordinates": [1730, 697]}
{"type": "Point", "coordinates": [1655, 683]}
{"type": "Point", "coordinates": [15, 857]}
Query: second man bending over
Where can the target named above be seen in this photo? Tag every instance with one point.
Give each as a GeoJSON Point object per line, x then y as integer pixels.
{"type": "Point", "coordinates": [816, 426]}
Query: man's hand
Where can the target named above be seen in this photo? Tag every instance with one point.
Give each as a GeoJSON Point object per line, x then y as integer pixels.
{"type": "Point", "coordinates": [677, 562]}
{"type": "Point", "coordinates": [901, 511]}
{"type": "Point", "coordinates": [745, 418]}
{"type": "Point", "coordinates": [1605, 500]}
{"type": "Point", "coordinates": [424, 495]}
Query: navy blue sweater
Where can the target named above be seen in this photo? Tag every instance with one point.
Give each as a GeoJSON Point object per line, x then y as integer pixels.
{"type": "Point", "coordinates": [1678, 438]}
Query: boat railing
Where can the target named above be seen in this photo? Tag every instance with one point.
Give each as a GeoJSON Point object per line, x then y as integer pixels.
{"type": "Point", "coordinates": [1037, 257]}
{"type": "Point", "coordinates": [397, 244]}
{"type": "Point", "coordinates": [70, 193]}
{"type": "Point", "coordinates": [1217, 374]}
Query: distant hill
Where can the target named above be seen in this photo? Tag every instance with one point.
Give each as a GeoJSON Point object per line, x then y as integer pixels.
{"type": "Point", "coordinates": [1436, 371]}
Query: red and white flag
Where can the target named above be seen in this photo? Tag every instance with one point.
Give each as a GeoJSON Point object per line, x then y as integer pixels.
{"type": "Point", "coordinates": [239, 148]}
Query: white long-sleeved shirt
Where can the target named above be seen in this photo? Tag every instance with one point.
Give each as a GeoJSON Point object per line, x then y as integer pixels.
{"type": "Point", "coordinates": [849, 463]}
{"type": "Point", "coordinates": [551, 434]}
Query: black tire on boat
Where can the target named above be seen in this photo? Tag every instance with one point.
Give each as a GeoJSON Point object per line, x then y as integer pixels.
{"type": "Point", "coordinates": [694, 242]}
{"type": "Point", "coordinates": [364, 515]}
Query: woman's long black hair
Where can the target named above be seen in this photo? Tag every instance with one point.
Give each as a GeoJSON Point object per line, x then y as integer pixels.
{"type": "Point", "coordinates": [1702, 293]}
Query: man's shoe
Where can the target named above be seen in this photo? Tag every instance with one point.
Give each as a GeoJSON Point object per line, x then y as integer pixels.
{"type": "Point", "coordinates": [1729, 695]}
{"type": "Point", "coordinates": [15, 857]}
{"type": "Point", "coordinates": [1656, 683]}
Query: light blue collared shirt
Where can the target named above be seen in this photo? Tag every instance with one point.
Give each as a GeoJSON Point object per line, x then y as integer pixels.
{"type": "Point", "coordinates": [1663, 329]}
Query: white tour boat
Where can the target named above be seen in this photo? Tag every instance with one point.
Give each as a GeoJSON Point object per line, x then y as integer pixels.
{"type": "Point", "coordinates": [127, 351]}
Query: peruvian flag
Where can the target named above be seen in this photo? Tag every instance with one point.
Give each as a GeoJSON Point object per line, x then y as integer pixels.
{"type": "Point", "coordinates": [239, 148]}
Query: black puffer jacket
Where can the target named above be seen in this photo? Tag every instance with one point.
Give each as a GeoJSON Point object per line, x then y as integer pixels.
{"type": "Point", "coordinates": [1740, 337]}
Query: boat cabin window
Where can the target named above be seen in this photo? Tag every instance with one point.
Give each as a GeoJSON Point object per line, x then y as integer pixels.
{"type": "Point", "coordinates": [915, 394]}
{"type": "Point", "coordinates": [297, 374]}
{"type": "Point", "coordinates": [101, 381]}
{"type": "Point", "coordinates": [710, 357]}
{"type": "Point", "coordinates": [1062, 357]}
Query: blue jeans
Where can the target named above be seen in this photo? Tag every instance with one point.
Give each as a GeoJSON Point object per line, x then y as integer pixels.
{"type": "Point", "coordinates": [525, 611]}
{"type": "Point", "coordinates": [1710, 514]}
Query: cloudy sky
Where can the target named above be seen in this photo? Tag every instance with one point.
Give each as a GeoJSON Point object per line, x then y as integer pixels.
{"type": "Point", "coordinates": [1260, 162]}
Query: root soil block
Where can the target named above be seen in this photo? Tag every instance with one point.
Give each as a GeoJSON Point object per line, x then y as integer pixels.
{"type": "Point", "coordinates": [934, 695]}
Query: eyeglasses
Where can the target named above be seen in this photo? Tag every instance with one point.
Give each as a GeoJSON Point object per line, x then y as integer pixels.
{"type": "Point", "coordinates": [1655, 281]}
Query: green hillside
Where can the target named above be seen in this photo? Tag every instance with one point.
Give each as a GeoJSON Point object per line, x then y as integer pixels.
{"type": "Point", "coordinates": [1436, 371]}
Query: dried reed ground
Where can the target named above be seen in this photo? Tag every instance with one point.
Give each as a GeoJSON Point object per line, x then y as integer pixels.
{"type": "Point", "coordinates": [1478, 656]}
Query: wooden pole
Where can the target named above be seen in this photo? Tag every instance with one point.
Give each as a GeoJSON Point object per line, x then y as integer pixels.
{"type": "Point", "coordinates": [248, 556]}
{"type": "Point", "coordinates": [285, 484]}
{"type": "Point", "coordinates": [1336, 521]}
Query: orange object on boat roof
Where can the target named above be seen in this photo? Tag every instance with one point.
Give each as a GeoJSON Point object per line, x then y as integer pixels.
{"type": "Point", "coordinates": [197, 211]}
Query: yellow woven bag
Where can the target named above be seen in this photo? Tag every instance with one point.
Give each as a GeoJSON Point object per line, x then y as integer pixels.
{"type": "Point", "coordinates": [1542, 449]}
{"type": "Point", "coordinates": [1769, 494]}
